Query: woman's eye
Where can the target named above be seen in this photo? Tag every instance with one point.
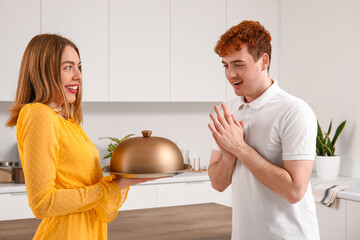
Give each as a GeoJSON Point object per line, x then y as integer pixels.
{"type": "Point", "coordinates": [68, 68]}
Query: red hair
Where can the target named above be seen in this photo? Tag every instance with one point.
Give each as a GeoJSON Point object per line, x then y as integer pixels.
{"type": "Point", "coordinates": [251, 33]}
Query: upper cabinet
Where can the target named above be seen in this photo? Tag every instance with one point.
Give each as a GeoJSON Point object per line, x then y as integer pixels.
{"type": "Point", "coordinates": [85, 22]}
{"type": "Point", "coordinates": [19, 23]}
{"type": "Point", "coordinates": [139, 50]}
{"type": "Point", "coordinates": [264, 11]}
{"type": "Point", "coordinates": [196, 70]}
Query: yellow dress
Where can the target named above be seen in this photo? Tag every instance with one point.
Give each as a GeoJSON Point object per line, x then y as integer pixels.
{"type": "Point", "coordinates": [63, 177]}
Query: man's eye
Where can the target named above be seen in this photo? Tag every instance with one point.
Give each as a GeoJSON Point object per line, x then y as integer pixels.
{"type": "Point", "coordinates": [237, 65]}
{"type": "Point", "coordinates": [225, 66]}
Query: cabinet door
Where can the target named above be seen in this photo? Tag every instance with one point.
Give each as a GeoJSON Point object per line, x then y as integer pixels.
{"type": "Point", "coordinates": [139, 50]}
{"type": "Point", "coordinates": [264, 11]}
{"type": "Point", "coordinates": [85, 22]}
{"type": "Point", "coordinates": [332, 220]}
{"type": "Point", "coordinates": [139, 197]}
{"type": "Point", "coordinates": [19, 23]}
{"type": "Point", "coordinates": [174, 194]}
{"type": "Point", "coordinates": [352, 220]}
{"type": "Point", "coordinates": [14, 206]}
{"type": "Point", "coordinates": [196, 70]}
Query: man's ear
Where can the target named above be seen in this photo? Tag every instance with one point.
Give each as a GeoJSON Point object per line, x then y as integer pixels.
{"type": "Point", "coordinates": [265, 61]}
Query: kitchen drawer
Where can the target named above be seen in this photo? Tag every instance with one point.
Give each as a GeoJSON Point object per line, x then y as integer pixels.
{"type": "Point", "coordinates": [191, 193]}
{"type": "Point", "coordinates": [140, 196]}
{"type": "Point", "coordinates": [14, 206]}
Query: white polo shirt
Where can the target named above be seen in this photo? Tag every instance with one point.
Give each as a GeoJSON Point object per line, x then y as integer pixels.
{"type": "Point", "coordinates": [279, 127]}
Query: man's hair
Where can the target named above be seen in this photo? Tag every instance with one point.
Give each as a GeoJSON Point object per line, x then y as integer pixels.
{"type": "Point", "coordinates": [39, 78]}
{"type": "Point", "coordinates": [251, 33]}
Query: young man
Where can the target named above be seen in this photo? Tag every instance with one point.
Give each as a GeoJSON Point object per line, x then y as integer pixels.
{"type": "Point", "coordinates": [268, 155]}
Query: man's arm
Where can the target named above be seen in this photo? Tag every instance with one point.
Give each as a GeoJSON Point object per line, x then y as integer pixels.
{"type": "Point", "coordinates": [220, 170]}
{"type": "Point", "coordinates": [290, 182]}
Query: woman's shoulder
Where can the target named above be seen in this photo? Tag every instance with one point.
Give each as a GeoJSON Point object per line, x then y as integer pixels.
{"type": "Point", "coordinates": [37, 110]}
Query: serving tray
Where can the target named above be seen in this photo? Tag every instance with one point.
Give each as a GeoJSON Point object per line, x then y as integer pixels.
{"type": "Point", "coordinates": [146, 175]}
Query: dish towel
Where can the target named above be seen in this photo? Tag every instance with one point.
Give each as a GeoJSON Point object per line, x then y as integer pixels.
{"type": "Point", "coordinates": [325, 193]}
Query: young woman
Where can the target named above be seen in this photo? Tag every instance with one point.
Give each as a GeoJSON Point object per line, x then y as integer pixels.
{"type": "Point", "coordinates": [63, 176]}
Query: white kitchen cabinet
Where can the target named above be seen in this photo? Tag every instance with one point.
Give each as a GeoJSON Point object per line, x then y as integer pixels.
{"type": "Point", "coordinates": [352, 220]}
{"type": "Point", "coordinates": [196, 70]}
{"type": "Point", "coordinates": [190, 193]}
{"type": "Point", "coordinates": [264, 11]}
{"type": "Point", "coordinates": [139, 50]}
{"type": "Point", "coordinates": [139, 197]}
{"type": "Point", "coordinates": [14, 206]}
{"type": "Point", "coordinates": [19, 23]}
{"type": "Point", "coordinates": [332, 224]}
{"type": "Point", "coordinates": [85, 22]}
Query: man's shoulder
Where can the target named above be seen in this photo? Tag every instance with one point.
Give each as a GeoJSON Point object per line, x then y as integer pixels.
{"type": "Point", "coordinates": [289, 101]}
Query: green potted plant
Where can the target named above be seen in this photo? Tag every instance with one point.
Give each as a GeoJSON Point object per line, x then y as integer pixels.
{"type": "Point", "coordinates": [327, 163]}
{"type": "Point", "coordinates": [114, 143]}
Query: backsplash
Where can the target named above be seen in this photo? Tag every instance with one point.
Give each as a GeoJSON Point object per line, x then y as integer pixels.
{"type": "Point", "coordinates": [183, 123]}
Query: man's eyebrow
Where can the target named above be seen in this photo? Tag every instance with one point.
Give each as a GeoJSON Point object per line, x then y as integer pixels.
{"type": "Point", "coordinates": [235, 61]}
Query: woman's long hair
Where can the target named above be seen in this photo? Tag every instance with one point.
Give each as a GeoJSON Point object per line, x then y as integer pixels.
{"type": "Point", "coordinates": [39, 78]}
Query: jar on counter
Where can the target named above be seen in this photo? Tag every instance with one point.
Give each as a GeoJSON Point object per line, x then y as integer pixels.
{"type": "Point", "coordinates": [18, 173]}
{"type": "Point", "coordinates": [6, 172]}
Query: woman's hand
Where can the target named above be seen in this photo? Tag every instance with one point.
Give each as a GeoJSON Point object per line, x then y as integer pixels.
{"type": "Point", "coordinates": [127, 182]}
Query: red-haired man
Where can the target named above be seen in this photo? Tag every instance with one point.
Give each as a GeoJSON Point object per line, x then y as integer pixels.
{"type": "Point", "coordinates": [268, 155]}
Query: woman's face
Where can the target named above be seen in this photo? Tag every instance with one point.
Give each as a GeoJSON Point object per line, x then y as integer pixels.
{"type": "Point", "coordinates": [70, 73]}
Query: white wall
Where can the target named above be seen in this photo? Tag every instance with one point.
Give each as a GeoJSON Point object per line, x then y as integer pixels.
{"type": "Point", "coordinates": [183, 123]}
{"type": "Point", "coordinates": [319, 62]}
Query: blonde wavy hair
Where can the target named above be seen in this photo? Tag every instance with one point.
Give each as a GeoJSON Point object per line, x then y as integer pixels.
{"type": "Point", "coordinates": [40, 81]}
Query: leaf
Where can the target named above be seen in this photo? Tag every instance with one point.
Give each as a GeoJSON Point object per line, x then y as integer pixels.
{"type": "Point", "coordinates": [126, 137]}
{"type": "Point", "coordinates": [112, 138]}
{"type": "Point", "coordinates": [330, 126]}
{"type": "Point", "coordinates": [329, 146]}
{"type": "Point", "coordinates": [107, 156]}
{"type": "Point", "coordinates": [338, 132]}
{"type": "Point", "coordinates": [319, 148]}
{"type": "Point", "coordinates": [319, 132]}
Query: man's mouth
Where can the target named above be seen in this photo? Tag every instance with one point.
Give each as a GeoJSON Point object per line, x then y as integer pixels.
{"type": "Point", "coordinates": [237, 83]}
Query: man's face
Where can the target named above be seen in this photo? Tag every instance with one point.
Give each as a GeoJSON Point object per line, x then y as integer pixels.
{"type": "Point", "coordinates": [244, 74]}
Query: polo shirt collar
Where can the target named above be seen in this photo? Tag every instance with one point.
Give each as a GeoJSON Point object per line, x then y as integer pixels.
{"type": "Point", "coordinates": [263, 98]}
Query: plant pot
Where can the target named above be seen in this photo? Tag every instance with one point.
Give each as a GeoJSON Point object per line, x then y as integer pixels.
{"type": "Point", "coordinates": [327, 167]}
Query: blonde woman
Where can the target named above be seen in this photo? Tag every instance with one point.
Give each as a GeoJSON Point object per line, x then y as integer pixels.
{"type": "Point", "coordinates": [64, 181]}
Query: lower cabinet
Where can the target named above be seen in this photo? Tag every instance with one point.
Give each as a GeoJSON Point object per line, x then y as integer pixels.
{"type": "Point", "coordinates": [332, 220]}
{"type": "Point", "coordinates": [352, 220]}
{"type": "Point", "coordinates": [14, 206]}
{"type": "Point", "coordinates": [340, 222]}
{"type": "Point", "coordinates": [174, 194]}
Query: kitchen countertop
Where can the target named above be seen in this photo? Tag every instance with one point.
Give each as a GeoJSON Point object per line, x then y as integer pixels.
{"type": "Point", "coordinates": [351, 193]}
{"type": "Point", "coordinates": [185, 177]}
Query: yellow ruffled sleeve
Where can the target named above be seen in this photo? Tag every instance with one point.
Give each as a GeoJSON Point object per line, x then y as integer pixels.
{"type": "Point", "coordinates": [38, 143]}
{"type": "Point", "coordinates": [113, 199]}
